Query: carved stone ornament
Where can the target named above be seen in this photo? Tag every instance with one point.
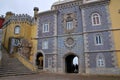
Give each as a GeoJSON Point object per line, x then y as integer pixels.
{"type": "Point", "coordinates": [25, 48]}
{"type": "Point", "coordinates": [69, 42]}
{"type": "Point", "coordinates": [69, 17]}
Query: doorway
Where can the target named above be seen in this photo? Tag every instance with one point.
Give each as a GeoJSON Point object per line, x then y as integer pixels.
{"type": "Point", "coordinates": [71, 64]}
{"type": "Point", "coordinates": [39, 60]}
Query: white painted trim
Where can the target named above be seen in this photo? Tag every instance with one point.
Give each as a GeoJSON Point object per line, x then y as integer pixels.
{"type": "Point", "coordinates": [92, 16]}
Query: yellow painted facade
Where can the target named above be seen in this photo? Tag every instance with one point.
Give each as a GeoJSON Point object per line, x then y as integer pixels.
{"type": "Point", "coordinates": [25, 32]}
{"type": "Point", "coordinates": [28, 31]}
{"type": "Point", "coordinates": [114, 9]}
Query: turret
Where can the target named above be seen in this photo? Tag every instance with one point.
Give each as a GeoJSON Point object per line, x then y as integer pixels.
{"type": "Point", "coordinates": [8, 15]}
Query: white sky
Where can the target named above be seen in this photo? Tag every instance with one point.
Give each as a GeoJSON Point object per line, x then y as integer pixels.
{"type": "Point", "coordinates": [24, 6]}
{"type": "Point", "coordinates": [75, 60]}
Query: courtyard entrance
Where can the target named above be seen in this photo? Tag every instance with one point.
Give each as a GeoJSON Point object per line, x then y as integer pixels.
{"type": "Point", "coordinates": [71, 65]}
{"type": "Point", "coordinates": [39, 60]}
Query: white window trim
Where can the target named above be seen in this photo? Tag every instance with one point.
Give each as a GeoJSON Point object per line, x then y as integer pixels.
{"type": "Point", "coordinates": [45, 44]}
{"type": "Point", "coordinates": [16, 31]}
{"type": "Point", "coordinates": [44, 28]}
{"type": "Point", "coordinates": [96, 21]}
{"type": "Point", "coordinates": [101, 39]}
{"type": "Point", "coordinates": [69, 25]}
{"type": "Point", "coordinates": [100, 62]}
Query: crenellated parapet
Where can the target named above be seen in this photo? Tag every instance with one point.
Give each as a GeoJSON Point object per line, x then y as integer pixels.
{"type": "Point", "coordinates": [19, 18]}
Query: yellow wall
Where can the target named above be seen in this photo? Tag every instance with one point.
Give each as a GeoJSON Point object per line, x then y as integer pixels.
{"type": "Point", "coordinates": [25, 32]}
{"type": "Point", "coordinates": [34, 41]}
{"type": "Point", "coordinates": [25, 62]}
{"type": "Point", "coordinates": [114, 8]}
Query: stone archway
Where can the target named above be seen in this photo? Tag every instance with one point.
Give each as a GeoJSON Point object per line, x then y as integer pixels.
{"type": "Point", "coordinates": [70, 67]}
{"type": "Point", "coordinates": [39, 60]}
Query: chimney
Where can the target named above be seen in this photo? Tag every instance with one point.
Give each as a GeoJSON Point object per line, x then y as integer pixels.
{"type": "Point", "coordinates": [36, 9]}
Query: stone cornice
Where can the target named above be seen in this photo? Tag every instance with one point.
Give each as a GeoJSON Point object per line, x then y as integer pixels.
{"type": "Point", "coordinates": [73, 34]}
{"type": "Point", "coordinates": [68, 4]}
{"type": "Point", "coordinates": [101, 51]}
{"type": "Point", "coordinates": [95, 3]}
{"type": "Point", "coordinates": [48, 12]}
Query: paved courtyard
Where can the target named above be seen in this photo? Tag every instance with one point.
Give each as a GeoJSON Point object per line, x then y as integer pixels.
{"type": "Point", "coordinates": [52, 76]}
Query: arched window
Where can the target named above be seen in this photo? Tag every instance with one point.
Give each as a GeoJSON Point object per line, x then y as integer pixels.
{"type": "Point", "coordinates": [100, 60]}
{"type": "Point", "coordinates": [17, 30]}
{"type": "Point", "coordinates": [96, 19]}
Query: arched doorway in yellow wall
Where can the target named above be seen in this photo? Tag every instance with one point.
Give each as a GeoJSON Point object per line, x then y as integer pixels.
{"type": "Point", "coordinates": [39, 60]}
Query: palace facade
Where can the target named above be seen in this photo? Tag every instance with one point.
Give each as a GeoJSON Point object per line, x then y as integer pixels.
{"type": "Point", "coordinates": [86, 29]}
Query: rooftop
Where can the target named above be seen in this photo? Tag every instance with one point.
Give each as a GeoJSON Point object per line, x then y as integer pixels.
{"type": "Point", "coordinates": [61, 2]}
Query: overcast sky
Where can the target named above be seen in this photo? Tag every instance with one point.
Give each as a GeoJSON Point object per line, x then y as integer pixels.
{"type": "Point", "coordinates": [24, 6]}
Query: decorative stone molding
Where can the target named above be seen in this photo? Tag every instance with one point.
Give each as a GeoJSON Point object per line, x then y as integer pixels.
{"type": "Point", "coordinates": [25, 47]}
{"type": "Point", "coordinates": [69, 17]}
{"type": "Point", "coordinates": [69, 42]}
{"type": "Point", "coordinates": [66, 4]}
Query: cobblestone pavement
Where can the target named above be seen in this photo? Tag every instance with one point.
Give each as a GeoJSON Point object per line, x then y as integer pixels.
{"type": "Point", "coordinates": [52, 76]}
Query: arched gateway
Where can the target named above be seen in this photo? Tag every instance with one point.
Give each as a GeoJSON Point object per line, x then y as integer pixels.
{"type": "Point", "coordinates": [39, 60]}
{"type": "Point", "coordinates": [70, 67]}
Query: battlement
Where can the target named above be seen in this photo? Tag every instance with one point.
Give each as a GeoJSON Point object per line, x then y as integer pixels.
{"type": "Point", "coordinates": [21, 18]}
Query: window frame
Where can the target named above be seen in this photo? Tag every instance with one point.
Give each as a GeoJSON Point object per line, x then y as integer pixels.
{"type": "Point", "coordinates": [100, 60]}
{"type": "Point", "coordinates": [45, 44]}
{"type": "Point", "coordinates": [45, 27]}
{"type": "Point", "coordinates": [98, 39]}
{"type": "Point", "coordinates": [96, 19]}
{"type": "Point", "coordinates": [69, 25]}
{"type": "Point", "coordinates": [17, 30]}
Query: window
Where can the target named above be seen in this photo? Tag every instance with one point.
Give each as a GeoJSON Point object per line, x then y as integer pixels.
{"type": "Point", "coordinates": [69, 25]}
{"type": "Point", "coordinates": [98, 39]}
{"type": "Point", "coordinates": [45, 27]}
{"type": "Point", "coordinates": [17, 30]}
{"type": "Point", "coordinates": [49, 62]}
{"type": "Point", "coordinates": [96, 19]}
{"type": "Point", "coordinates": [100, 61]}
{"type": "Point", "coordinates": [45, 45]}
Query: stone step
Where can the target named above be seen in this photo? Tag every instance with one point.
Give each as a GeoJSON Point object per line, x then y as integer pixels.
{"type": "Point", "coordinates": [11, 66]}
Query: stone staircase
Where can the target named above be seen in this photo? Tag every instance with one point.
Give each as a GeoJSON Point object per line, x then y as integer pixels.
{"type": "Point", "coordinates": [11, 66]}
